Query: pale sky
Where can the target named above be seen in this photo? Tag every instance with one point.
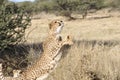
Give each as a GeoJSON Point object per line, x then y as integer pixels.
{"type": "Point", "coordinates": [20, 0]}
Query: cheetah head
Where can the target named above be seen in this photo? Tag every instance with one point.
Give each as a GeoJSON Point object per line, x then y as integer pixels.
{"type": "Point", "coordinates": [56, 26]}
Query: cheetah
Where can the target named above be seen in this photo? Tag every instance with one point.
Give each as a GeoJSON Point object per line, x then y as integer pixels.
{"type": "Point", "coordinates": [45, 64]}
{"type": "Point", "coordinates": [49, 58]}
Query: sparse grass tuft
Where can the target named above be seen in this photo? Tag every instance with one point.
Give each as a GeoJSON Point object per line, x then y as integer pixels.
{"type": "Point", "coordinates": [88, 62]}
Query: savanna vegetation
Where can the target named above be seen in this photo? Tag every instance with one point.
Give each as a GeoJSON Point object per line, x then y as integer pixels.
{"type": "Point", "coordinates": [95, 54]}
{"type": "Point", "coordinates": [67, 7]}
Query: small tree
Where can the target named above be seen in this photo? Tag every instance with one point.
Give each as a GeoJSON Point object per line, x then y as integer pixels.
{"type": "Point", "coordinates": [67, 7]}
{"type": "Point", "coordinates": [13, 22]}
{"type": "Point", "coordinates": [115, 4]}
{"type": "Point", "coordinates": [86, 5]}
{"type": "Point", "coordinates": [27, 5]}
{"type": "Point", "coordinates": [45, 6]}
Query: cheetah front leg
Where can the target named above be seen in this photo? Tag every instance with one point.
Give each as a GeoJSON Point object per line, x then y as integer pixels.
{"type": "Point", "coordinates": [58, 57]}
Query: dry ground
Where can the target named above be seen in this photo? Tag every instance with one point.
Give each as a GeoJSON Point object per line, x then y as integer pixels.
{"type": "Point", "coordinates": [96, 52]}
{"type": "Point", "coordinates": [100, 28]}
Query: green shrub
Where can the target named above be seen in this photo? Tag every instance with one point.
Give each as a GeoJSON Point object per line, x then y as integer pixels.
{"type": "Point", "coordinates": [27, 5]}
{"type": "Point", "coordinates": [44, 6]}
{"type": "Point", "coordinates": [66, 7]}
{"type": "Point", "coordinates": [13, 22]}
{"type": "Point", "coordinates": [86, 5]}
{"type": "Point", "coordinates": [115, 4]}
{"type": "Point", "coordinates": [63, 7]}
{"type": "Point", "coordinates": [81, 6]}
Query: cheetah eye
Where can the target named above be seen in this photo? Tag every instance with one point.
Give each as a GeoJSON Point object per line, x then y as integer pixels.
{"type": "Point", "coordinates": [55, 21]}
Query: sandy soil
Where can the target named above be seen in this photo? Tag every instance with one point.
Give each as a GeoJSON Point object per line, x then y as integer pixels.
{"type": "Point", "coordinates": [97, 26]}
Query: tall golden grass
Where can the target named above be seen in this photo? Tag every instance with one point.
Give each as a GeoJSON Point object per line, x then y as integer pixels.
{"type": "Point", "coordinates": [89, 61]}
{"type": "Point", "coordinates": [96, 52]}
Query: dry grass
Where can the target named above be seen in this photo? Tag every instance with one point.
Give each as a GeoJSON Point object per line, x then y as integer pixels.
{"type": "Point", "coordinates": [85, 62]}
{"type": "Point", "coordinates": [100, 28]}
{"type": "Point", "coordinates": [96, 52]}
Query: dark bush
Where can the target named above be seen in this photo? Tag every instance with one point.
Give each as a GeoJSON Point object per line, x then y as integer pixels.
{"type": "Point", "coordinates": [115, 4]}
{"type": "Point", "coordinates": [67, 7]}
{"type": "Point", "coordinates": [13, 22]}
{"type": "Point", "coordinates": [86, 5]}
